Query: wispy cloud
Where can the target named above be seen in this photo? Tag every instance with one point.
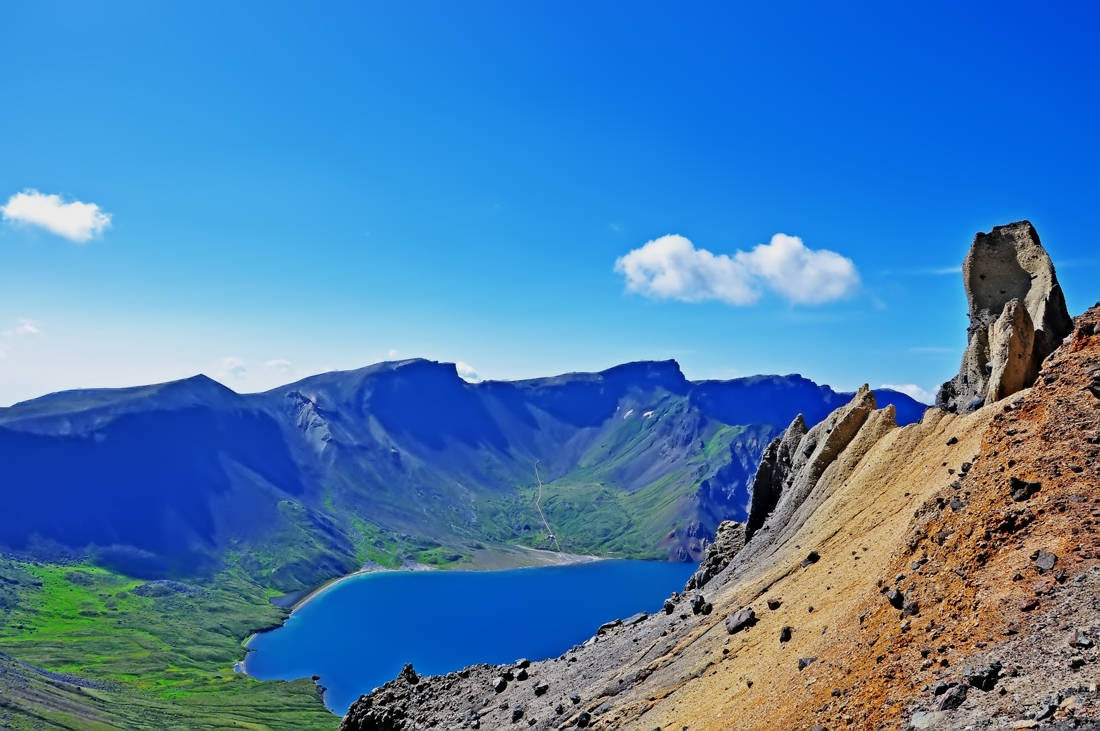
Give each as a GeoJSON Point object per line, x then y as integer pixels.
{"type": "Point", "coordinates": [913, 391]}
{"type": "Point", "coordinates": [1078, 263]}
{"type": "Point", "coordinates": [923, 271]}
{"type": "Point", "coordinates": [24, 328]}
{"type": "Point", "coordinates": [74, 220]}
{"type": "Point", "coordinates": [671, 267]}
{"type": "Point", "coordinates": [234, 367]}
{"type": "Point", "coordinates": [279, 365]}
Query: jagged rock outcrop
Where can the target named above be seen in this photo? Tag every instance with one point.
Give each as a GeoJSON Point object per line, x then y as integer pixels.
{"type": "Point", "coordinates": [793, 463]}
{"type": "Point", "coordinates": [775, 465]}
{"type": "Point", "coordinates": [729, 538]}
{"type": "Point", "coordinates": [1018, 317]}
{"type": "Point", "coordinates": [309, 420]}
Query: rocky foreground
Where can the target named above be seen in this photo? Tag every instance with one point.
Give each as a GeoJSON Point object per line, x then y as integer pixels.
{"type": "Point", "coordinates": [940, 575]}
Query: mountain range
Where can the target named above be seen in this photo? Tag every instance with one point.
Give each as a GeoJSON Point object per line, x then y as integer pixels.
{"type": "Point", "coordinates": [399, 460]}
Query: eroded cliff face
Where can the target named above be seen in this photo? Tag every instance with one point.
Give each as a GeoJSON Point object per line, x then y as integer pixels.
{"type": "Point", "coordinates": [937, 575]}
{"type": "Point", "coordinates": [773, 472]}
{"type": "Point", "coordinates": [1017, 317]}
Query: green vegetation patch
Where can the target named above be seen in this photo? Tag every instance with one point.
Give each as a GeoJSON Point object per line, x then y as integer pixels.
{"type": "Point", "coordinates": [589, 509]}
{"type": "Point", "coordinates": [154, 654]}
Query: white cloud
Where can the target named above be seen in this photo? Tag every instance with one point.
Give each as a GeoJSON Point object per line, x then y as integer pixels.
{"type": "Point", "coordinates": [235, 367]}
{"type": "Point", "coordinates": [25, 328]}
{"type": "Point", "coordinates": [279, 365]}
{"type": "Point", "coordinates": [913, 391]}
{"type": "Point", "coordinates": [802, 275]}
{"type": "Point", "coordinates": [467, 372]}
{"type": "Point", "coordinates": [391, 353]}
{"type": "Point", "coordinates": [671, 267]}
{"type": "Point", "coordinates": [76, 221]}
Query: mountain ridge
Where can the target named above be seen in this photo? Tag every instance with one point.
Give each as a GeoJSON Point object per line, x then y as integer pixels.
{"type": "Point", "coordinates": [398, 452]}
{"type": "Point", "coordinates": [199, 379]}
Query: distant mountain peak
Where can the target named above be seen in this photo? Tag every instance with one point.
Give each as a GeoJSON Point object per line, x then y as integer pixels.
{"type": "Point", "coordinates": [199, 383]}
{"type": "Point", "coordinates": [654, 372]}
{"type": "Point", "coordinates": [194, 390]}
{"type": "Point", "coordinates": [669, 365]}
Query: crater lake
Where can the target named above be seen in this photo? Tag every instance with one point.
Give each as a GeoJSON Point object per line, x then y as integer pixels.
{"type": "Point", "coordinates": [358, 633]}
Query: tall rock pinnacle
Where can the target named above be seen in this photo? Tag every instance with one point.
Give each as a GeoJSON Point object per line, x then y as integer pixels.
{"type": "Point", "coordinates": [1017, 317]}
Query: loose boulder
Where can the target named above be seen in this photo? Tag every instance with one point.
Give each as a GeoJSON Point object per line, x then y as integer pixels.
{"type": "Point", "coordinates": [1022, 489]}
{"type": "Point", "coordinates": [740, 620]}
{"type": "Point", "coordinates": [409, 675]}
{"type": "Point", "coordinates": [952, 698]}
{"type": "Point", "coordinates": [983, 678]}
{"type": "Point", "coordinates": [1045, 561]}
{"type": "Point", "coordinates": [608, 626]}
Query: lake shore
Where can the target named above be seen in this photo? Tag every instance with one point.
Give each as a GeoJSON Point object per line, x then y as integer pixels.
{"type": "Point", "coordinates": [359, 637]}
{"type": "Point", "coordinates": [487, 560]}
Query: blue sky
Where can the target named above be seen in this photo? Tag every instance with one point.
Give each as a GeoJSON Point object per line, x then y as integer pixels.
{"type": "Point", "coordinates": [296, 188]}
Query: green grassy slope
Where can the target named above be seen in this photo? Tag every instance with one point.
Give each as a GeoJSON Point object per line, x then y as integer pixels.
{"type": "Point", "coordinates": [144, 655]}
{"type": "Point", "coordinates": [589, 510]}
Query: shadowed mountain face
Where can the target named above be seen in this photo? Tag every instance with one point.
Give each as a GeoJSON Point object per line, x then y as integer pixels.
{"type": "Point", "coordinates": [396, 459]}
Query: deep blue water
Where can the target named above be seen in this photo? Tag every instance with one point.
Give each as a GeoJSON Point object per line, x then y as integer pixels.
{"type": "Point", "coordinates": [359, 633]}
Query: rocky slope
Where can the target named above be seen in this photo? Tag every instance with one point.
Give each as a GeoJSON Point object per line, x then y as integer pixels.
{"type": "Point", "coordinates": [936, 575]}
